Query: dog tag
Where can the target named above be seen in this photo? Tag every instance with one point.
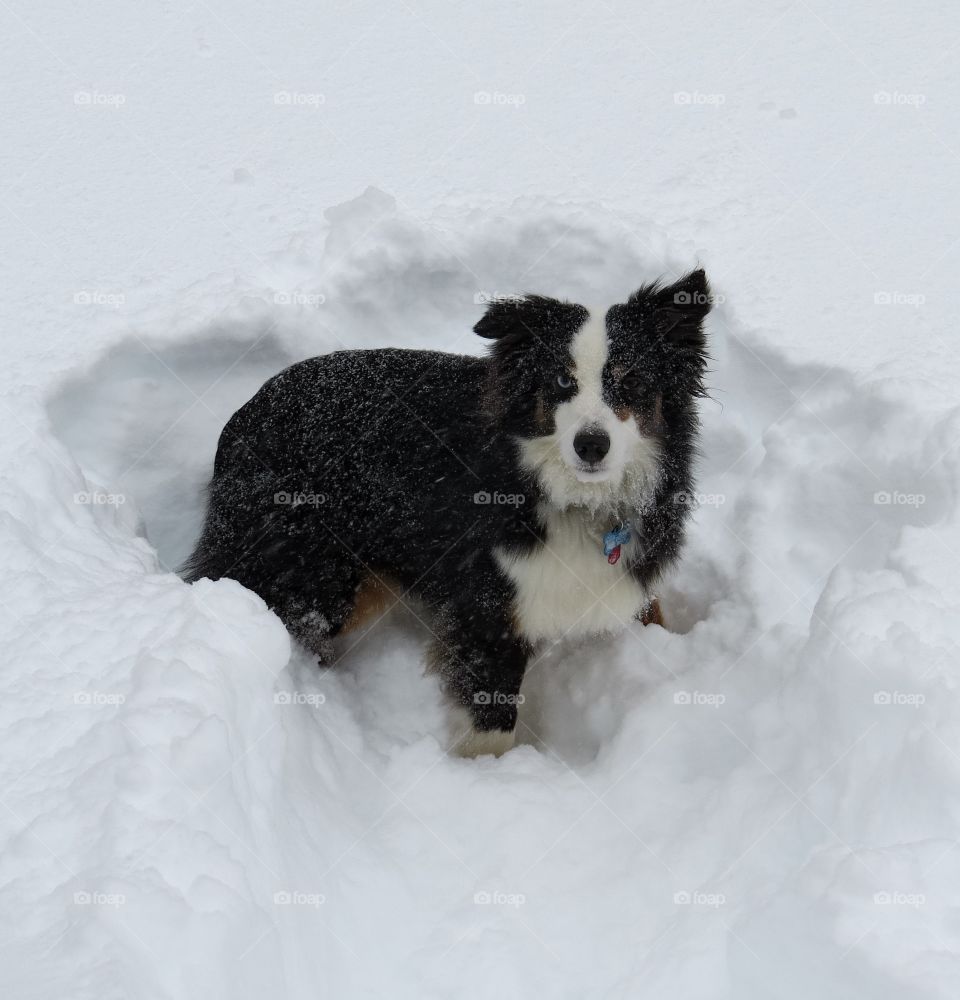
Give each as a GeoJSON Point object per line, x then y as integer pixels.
{"type": "Point", "coordinates": [612, 541]}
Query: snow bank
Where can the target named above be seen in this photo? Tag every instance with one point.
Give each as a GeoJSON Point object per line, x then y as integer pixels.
{"type": "Point", "coordinates": [757, 803]}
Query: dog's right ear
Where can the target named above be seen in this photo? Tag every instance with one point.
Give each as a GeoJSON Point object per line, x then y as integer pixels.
{"type": "Point", "coordinates": [514, 318]}
{"type": "Point", "coordinates": [509, 316]}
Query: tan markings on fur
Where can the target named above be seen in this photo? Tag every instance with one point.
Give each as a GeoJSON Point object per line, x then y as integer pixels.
{"type": "Point", "coordinates": [652, 614]}
{"type": "Point", "coordinates": [540, 414]}
{"type": "Point", "coordinates": [623, 413]}
{"type": "Point", "coordinates": [652, 423]}
{"type": "Point", "coordinates": [373, 596]}
{"type": "Point", "coordinates": [658, 413]}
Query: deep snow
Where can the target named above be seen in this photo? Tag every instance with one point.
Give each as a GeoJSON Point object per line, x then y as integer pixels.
{"type": "Point", "coordinates": [761, 802]}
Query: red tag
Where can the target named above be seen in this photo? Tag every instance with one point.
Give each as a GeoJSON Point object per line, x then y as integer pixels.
{"type": "Point", "coordinates": [614, 556]}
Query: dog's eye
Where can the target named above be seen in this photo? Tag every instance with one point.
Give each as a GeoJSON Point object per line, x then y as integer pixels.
{"type": "Point", "coordinates": [564, 380]}
{"type": "Point", "coordinates": [630, 382]}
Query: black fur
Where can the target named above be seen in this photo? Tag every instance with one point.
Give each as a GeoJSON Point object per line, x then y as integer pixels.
{"type": "Point", "coordinates": [386, 450]}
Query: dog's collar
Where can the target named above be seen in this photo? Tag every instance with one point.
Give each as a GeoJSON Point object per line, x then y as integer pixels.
{"type": "Point", "coordinates": [614, 539]}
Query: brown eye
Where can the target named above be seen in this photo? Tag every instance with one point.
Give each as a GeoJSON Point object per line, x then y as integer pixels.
{"type": "Point", "coordinates": [630, 382]}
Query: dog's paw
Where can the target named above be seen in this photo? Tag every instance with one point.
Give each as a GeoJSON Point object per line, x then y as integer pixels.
{"type": "Point", "coordinates": [465, 740]}
{"type": "Point", "coordinates": [478, 742]}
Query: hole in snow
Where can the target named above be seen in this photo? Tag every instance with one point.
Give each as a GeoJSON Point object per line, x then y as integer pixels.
{"type": "Point", "coordinates": [798, 463]}
{"type": "Point", "coordinates": [144, 422]}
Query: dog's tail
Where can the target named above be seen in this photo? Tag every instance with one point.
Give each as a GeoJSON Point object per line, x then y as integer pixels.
{"type": "Point", "coordinates": [203, 561]}
{"type": "Point", "coordinates": [240, 535]}
{"type": "Point", "coordinates": [234, 512]}
{"type": "Point", "coordinates": [218, 545]}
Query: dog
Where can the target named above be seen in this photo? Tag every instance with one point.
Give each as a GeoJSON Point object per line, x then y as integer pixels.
{"type": "Point", "coordinates": [534, 493]}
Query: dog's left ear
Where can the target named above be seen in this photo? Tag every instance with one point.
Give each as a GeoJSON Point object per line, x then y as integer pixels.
{"type": "Point", "coordinates": [504, 316]}
{"type": "Point", "coordinates": [516, 317]}
{"type": "Point", "coordinates": [679, 309]}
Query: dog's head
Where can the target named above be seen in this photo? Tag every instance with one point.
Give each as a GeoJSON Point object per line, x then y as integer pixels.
{"type": "Point", "coordinates": [599, 400]}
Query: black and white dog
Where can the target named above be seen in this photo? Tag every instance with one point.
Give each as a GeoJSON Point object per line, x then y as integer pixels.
{"type": "Point", "coordinates": [531, 494]}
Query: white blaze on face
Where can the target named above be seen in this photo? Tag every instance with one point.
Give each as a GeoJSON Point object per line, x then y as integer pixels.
{"type": "Point", "coordinates": [587, 411]}
{"type": "Point", "coordinates": [631, 456]}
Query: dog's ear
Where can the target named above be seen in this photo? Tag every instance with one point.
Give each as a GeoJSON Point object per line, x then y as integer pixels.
{"type": "Point", "coordinates": [515, 317]}
{"type": "Point", "coordinates": [678, 310]}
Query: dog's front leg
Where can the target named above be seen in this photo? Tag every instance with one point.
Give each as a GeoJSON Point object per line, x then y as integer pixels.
{"type": "Point", "coordinates": [481, 664]}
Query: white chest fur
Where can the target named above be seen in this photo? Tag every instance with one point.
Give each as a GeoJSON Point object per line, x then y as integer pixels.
{"type": "Point", "coordinates": [566, 587]}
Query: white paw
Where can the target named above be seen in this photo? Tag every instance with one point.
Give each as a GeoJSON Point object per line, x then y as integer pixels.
{"type": "Point", "coordinates": [477, 742]}
{"type": "Point", "coordinates": [467, 741]}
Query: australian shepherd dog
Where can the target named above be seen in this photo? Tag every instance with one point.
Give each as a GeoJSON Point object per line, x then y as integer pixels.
{"type": "Point", "coordinates": [535, 493]}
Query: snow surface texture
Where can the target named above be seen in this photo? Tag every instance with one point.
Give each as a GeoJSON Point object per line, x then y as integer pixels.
{"type": "Point", "coordinates": [760, 803]}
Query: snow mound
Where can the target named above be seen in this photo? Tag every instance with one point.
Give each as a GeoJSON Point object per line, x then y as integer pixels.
{"type": "Point", "coordinates": [747, 805]}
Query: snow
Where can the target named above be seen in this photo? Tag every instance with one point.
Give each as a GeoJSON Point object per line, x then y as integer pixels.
{"type": "Point", "coordinates": [761, 802]}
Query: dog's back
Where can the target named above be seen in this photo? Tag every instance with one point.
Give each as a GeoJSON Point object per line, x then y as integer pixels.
{"type": "Point", "coordinates": [348, 465]}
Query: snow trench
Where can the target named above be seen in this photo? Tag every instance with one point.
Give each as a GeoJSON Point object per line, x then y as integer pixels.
{"type": "Point", "coordinates": [750, 804]}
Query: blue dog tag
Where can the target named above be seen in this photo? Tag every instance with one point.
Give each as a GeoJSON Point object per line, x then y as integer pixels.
{"type": "Point", "coordinates": [612, 541]}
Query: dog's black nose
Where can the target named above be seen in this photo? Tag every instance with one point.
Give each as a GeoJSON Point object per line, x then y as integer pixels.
{"type": "Point", "coordinates": [591, 445]}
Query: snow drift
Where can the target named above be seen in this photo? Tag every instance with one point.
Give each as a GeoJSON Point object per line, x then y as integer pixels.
{"type": "Point", "coordinates": [756, 803]}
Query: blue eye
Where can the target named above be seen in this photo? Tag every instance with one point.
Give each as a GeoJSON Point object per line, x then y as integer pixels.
{"type": "Point", "coordinates": [564, 381]}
